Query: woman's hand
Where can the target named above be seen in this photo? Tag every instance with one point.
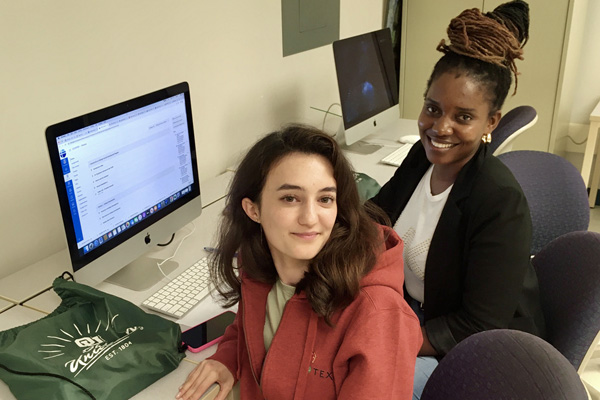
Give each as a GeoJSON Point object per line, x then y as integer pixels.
{"type": "Point", "coordinates": [204, 375]}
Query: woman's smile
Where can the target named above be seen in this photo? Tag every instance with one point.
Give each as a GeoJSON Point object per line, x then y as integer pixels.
{"type": "Point", "coordinates": [439, 144]}
{"type": "Point", "coordinates": [306, 235]}
{"type": "Point", "coordinates": [455, 116]}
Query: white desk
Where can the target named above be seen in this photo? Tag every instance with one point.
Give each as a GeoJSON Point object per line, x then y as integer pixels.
{"type": "Point", "coordinates": [189, 252]}
{"type": "Point", "coordinates": [388, 138]}
{"type": "Point", "coordinates": [166, 387]}
{"type": "Point", "coordinates": [5, 304]}
{"type": "Point", "coordinates": [588, 156]}
{"type": "Point", "coordinates": [20, 286]}
{"type": "Point", "coordinates": [38, 277]}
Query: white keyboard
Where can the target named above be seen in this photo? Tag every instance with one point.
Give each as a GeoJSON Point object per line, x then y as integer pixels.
{"type": "Point", "coordinates": [178, 296]}
{"type": "Point", "coordinates": [396, 157]}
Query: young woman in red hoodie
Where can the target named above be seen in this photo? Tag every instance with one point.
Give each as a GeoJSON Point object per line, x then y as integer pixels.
{"type": "Point", "coordinates": [321, 310]}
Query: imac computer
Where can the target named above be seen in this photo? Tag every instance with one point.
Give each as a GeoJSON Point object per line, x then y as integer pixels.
{"type": "Point", "coordinates": [367, 84]}
{"type": "Point", "coordinates": [127, 179]}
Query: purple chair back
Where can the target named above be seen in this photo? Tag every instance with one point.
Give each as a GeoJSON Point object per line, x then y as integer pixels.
{"type": "Point", "coordinates": [555, 192]}
{"type": "Point", "coordinates": [568, 271]}
{"type": "Point", "coordinates": [504, 364]}
{"type": "Point", "coordinates": [511, 125]}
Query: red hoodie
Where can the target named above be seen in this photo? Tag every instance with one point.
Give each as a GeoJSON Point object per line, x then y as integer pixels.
{"type": "Point", "coordinates": [369, 353]}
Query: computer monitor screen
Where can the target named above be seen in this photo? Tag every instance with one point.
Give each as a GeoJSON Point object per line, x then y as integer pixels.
{"type": "Point", "coordinates": [367, 83]}
{"type": "Point", "coordinates": [127, 179]}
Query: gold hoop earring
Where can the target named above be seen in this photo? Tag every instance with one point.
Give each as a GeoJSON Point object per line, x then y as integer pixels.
{"type": "Point", "coordinates": [486, 138]}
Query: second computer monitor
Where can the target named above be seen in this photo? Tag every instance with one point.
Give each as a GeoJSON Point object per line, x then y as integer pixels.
{"type": "Point", "coordinates": [367, 83]}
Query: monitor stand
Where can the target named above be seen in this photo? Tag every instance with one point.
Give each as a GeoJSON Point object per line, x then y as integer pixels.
{"type": "Point", "coordinates": [141, 274]}
{"type": "Point", "coordinates": [359, 147]}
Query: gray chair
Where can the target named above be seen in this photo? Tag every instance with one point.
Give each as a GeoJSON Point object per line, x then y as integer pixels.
{"type": "Point", "coordinates": [555, 192]}
{"type": "Point", "coordinates": [504, 364]}
{"type": "Point", "coordinates": [511, 125]}
{"type": "Point", "coordinates": [568, 271]}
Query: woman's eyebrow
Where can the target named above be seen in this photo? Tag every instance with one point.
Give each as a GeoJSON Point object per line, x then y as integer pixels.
{"type": "Point", "coordinates": [467, 110]}
{"type": "Point", "coordinates": [329, 189]}
{"type": "Point", "coordinates": [460, 109]}
{"type": "Point", "coordinates": [287, 186]}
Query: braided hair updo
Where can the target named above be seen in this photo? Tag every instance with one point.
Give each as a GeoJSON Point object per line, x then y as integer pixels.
{"type": "Point", "coordinates": [485, 47]}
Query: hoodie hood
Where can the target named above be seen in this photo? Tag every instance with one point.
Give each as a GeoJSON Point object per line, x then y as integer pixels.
{"type": "Point", "coordinates": [389, 268]}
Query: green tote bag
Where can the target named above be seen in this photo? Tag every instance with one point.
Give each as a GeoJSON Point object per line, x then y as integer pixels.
{"type": "Point", "coordinates": [93, 346]}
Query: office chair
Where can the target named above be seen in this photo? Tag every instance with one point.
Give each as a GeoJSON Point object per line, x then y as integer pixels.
{"type": "Point", "coordinates": [504, 364]}
{"type": "Point", "coordinates": [568, 271]}
{"type": "Point", "coordinates": [555, 192]}
{"type": "Point", "coordinates": [511, 125]}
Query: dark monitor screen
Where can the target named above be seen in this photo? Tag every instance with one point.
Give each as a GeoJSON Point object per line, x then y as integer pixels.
{"type": "Point", "coordinates": [366, 75]}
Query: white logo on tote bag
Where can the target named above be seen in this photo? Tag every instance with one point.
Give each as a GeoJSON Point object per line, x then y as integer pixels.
{"type": "Point", "coordinates": [91, 346]}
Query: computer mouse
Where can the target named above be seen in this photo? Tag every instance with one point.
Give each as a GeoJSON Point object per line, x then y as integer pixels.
{"type": "Point", "coordinates": [409, 139]}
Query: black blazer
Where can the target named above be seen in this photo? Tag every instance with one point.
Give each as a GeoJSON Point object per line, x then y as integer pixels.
{"type": "Point", "coordinates": [478, 274]}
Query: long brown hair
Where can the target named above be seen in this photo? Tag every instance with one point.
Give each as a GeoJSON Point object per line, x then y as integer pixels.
{"type": "Point", "coordinates": [333, 278]}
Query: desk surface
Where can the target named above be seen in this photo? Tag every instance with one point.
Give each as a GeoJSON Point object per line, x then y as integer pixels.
{"type": "Point", "coordinates": [188, 253]}
{"type": "Point", "coordinates": [5, 304]}
{"type": "Point", "coordinates": [166, 387]}
{"type": "Point", "coordinates": [22, 285]}
{"type": "Point", "coordinates": [388, 139]}
{"type": "Point", "coordinates": [38, 277]}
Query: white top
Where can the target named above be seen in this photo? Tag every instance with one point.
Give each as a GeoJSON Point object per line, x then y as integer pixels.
{"type": "Point", "coordinates": [415, 226]}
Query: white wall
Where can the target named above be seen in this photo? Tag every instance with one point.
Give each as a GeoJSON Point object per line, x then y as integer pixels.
{"type": "Point", "coordinates": [587, 92]}
{"type": "Point", "coordinates": [62, 59]}
{"type": "Point", "coordinates": [571, 53]}
{"type": "Point", "coordinates": [586, 89]}
{"type": "Point", "coordinates": [580, 90]}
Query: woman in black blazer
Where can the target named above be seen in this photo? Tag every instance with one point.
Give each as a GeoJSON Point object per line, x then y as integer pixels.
{"type": "Point", "coordinates": [461, 213]}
